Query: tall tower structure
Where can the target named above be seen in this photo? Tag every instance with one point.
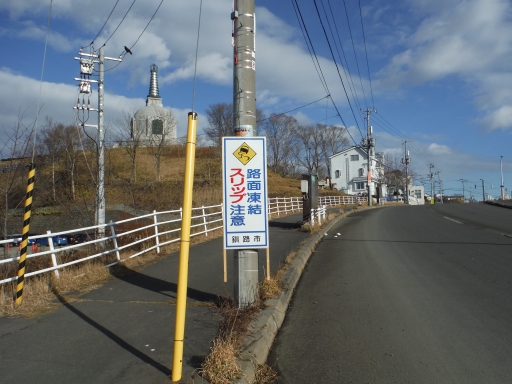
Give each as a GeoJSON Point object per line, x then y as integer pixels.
{"type": "Point", "coordinates": [153, 124]}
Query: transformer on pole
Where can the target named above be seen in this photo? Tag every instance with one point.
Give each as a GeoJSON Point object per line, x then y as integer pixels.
{"type": "Point", "coordinates": [87, 61]}
{"type": "Point", "coordinates": [369, 144]}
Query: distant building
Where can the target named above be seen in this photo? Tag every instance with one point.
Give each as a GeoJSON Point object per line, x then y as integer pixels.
{"type": "Point", "coordinates": [153, 124]}
{"type": "Point", "coordinates": [349, 170]}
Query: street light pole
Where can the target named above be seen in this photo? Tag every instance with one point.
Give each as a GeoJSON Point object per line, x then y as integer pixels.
{"type": "Point", "coordinates": [502, 186]}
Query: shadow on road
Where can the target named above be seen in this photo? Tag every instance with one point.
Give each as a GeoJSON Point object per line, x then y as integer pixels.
{"type": "Point", "coordinates": [157, 285]}
{"type": "Point", "coordinates": [112, 336]}
{"type": "Point", "coordinates": [284, 225]}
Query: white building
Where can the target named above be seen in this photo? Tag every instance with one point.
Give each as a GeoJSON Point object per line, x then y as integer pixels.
{"type": "Point", "coordinates": [349, 172]}
{"type": "Point", "coordinates": [416, 194]}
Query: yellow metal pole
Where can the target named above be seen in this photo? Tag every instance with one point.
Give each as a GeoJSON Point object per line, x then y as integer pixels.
{"type": "Point", "coordinates": [224, 262]}
{"type": "Point", "coordinates": [24, 237]}
{"type": "Point", "coordinates": [181, 302]}
{"type": "Point", "coordinates": [268, 263]}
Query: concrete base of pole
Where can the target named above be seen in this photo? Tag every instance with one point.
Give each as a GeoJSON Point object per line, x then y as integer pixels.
{"type": "Point", "coordinates": [246, 278]}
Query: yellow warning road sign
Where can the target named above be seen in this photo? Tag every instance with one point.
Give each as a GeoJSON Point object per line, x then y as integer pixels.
{"type": "Point", "coordinates": [244, 153]}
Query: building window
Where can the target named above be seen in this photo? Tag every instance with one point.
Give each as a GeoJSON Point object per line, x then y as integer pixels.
{"type": "Point", "coordinates": [157, 127]}
{"type": "Point", "coordinates": [360, 186]}
{"type": "Point", "coordinates": [417, 193]}
{"type": "Point", "coordinates": [354, 157]}
{"type": "Point", "coordinates": [361, 172]}
{"type": "Point", "coordinates": [337, 174]}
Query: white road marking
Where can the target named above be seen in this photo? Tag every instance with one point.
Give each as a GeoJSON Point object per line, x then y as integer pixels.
{"type": "Point", "coordinates": [455, 221]}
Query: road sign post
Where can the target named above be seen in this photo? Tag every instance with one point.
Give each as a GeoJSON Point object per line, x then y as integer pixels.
{"type": "Point", "coordinates": [244, 172]}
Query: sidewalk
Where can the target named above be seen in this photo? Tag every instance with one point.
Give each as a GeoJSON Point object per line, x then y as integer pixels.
{"type": "Point", "coordinates": [123, 331]}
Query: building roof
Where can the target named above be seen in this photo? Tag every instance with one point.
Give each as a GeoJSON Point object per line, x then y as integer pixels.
{"type": "Point", "coordinates": [348, 150]}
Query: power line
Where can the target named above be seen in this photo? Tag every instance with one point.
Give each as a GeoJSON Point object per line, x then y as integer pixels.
{"type": "Point", "coordinates": [149, 22]}
{"type": "Point", "coordinates": [291, 110]}
{"type": "Point", "coordinates": [366, 52]}
{"type": "Point", "coordinates": [320, 73]}
{"type": "Point", "coordinates": [354, 49]}
{"type": "Point", "coordinates": [121, 22]}
{"type": "Point", "coordinates": [344, 64]}
{"type": "Point", "coordinates": [105, 23]}
{"type": "Point", "coordinates": [309, 44]}
{"type": "Point", "coordinates": [337, 68]}
{"type": "Point", "coordinates": [41, 81]}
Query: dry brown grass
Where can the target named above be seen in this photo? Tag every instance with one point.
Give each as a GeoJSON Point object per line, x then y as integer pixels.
{"type": "Point", "coordinates": [270, 288]}
{"type": "Point", "coordinates": [265, 374]}
{"type": "Point", "coordinates": [220, 366]}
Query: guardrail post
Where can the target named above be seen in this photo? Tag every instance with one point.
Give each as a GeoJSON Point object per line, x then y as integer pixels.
{"type": "Point", "coordinates": [114, 238]}
{"type": "Point", "coordinates": [204, 221]}
{"type": "Point", "coordinates": [157, 239]}
{"type": "Point", "coordinates": [54, 258]}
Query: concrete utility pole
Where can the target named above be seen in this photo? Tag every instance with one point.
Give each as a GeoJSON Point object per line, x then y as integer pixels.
{"type": "Point", "coordinates": [431, 175]}
{"type": "Point", "coordinates": [463, 190]}
{"type": "Point", "coordinates": [244, 123]}
{"type": "Point", "coordinates": [369, 144]}
{"type": "Point", "coordinates": [440, 185]}
{"type": "Point", "coordinates": [100, 198]}
{"type": "Point", "coordinates": [406, 160]}
{"type": "Point", "coordinates": [502, 185]}
{"type": "Point", "coordinates": [244, 68]}
{"type": "Point", "coordinates": [87, 62]}
{"type": "Point", "coordinates": [483, 189]}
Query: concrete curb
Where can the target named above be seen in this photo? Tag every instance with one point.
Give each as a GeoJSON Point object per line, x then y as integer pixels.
{"type": "Point", "coordinates": [257, 344]}
{"type": "Point", "coordinates": [499, 204]}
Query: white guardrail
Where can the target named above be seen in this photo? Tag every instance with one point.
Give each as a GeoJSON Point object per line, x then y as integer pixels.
{"type": "Point", "coordinates": [141, 234]}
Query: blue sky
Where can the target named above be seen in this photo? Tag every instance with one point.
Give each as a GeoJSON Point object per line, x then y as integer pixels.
{"type": "Point", "coordinates": [439, 70]}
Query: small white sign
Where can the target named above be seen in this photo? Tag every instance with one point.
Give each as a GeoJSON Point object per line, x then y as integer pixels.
{"type": "Point", "coordinates": [244, 175]}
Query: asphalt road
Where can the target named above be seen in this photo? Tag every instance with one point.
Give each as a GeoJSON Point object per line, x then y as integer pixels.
{"type": "Point", "coordinates": [410, 294]}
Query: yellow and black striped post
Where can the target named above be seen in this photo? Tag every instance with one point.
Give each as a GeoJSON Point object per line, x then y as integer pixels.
{"type": "Point", "coordinates": [24, 238]}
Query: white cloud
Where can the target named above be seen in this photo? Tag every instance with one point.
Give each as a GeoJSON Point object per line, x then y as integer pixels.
{"type": "Point", "coordinates": [469, 39]}
{"type": "Point", "coordinates": [438, 149]}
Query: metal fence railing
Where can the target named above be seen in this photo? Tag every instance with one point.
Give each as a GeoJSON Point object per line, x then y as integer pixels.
{"type": "Point", "coordinates": [136, 236]}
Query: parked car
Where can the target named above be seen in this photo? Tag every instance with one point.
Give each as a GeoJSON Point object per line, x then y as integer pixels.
{"type": "Point", "coordinates": [79, 238]}
{"type": "Point", "coordinates": [43, 242]}
{"type": "Point", "coordinates": [61, 240]}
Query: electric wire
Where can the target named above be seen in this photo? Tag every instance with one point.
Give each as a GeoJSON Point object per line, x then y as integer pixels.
{"type": "Point", "coordinates": [291, 110]}
{"type": "Point", "coordinates": [309, 44]}
{"type": "Point", "coordinates": [105, 23]}
{"type": "Point", "coordinates": [41, 81]}
{"type": "Point", "coordinates": [150, 20]}
{"type": "Point", "coordinates": [121, 22]}
{"type": "Point", "coordinates": [197, 50]}
{"type": "Point", "coordinates": [337, 68]}
{"type": "Point", "coordinates": [350, 77]}
{"type": "Point", "coordinates": [354, 49]}
{"type": "Point", "coordinates": [366, 52]}
{"type": "Point", "coordinates": [298, 13]}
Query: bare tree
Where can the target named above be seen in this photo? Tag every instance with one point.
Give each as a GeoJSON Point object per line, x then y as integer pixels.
{"type": "Point", "coordinates": [279, 131]}
{"type": "Point", "coordinates": [62, 144]}
{"type": "Point", "coordinates": [15, 145]}
{"type": "Point", "coordinates": [220, 120]}
{"type": "Point", "coordinates": [307, 148]}
{"type": "Point", "coordinates": [333, 139]}
{"type": "Point", "coordinates": [128, 138]}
